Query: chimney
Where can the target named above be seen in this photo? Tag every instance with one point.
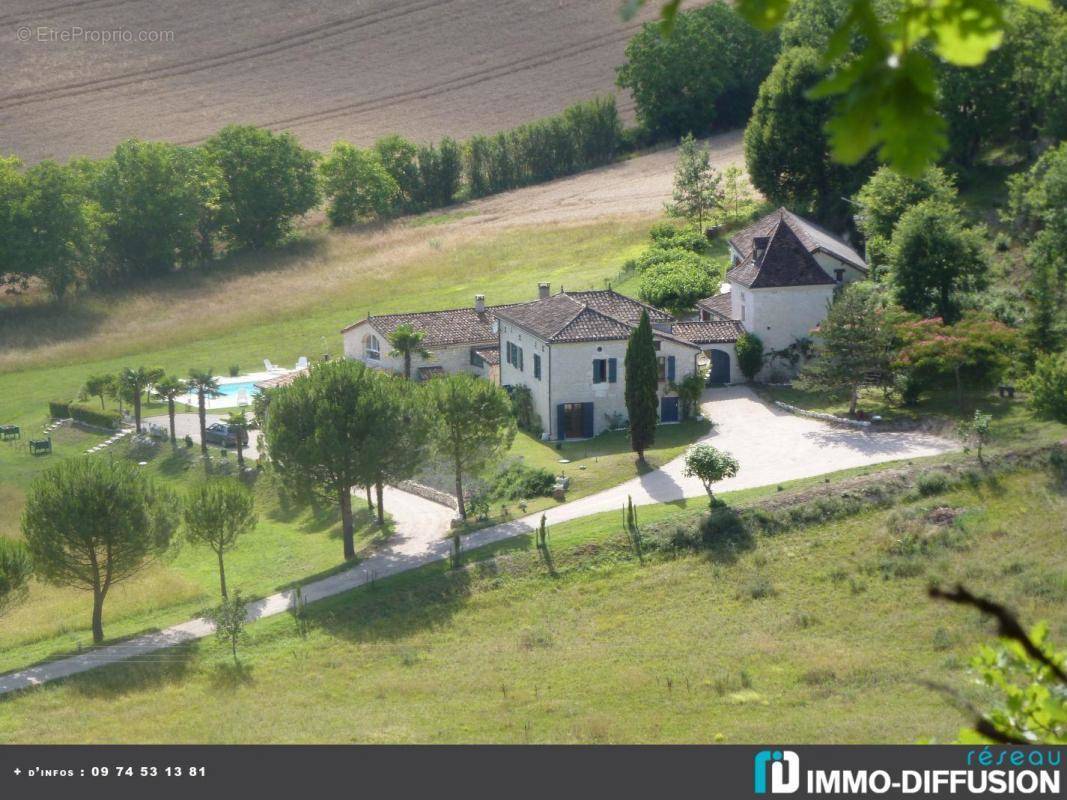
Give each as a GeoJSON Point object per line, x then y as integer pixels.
{"type": "Point", "coordinates": [543, 291]}
{"type": "Point", "coordinates": [759, 246]}
{"type": "Point", "coordinates": [479, 303]}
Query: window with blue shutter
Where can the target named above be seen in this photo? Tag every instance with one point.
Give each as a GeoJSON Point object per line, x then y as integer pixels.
{"type": "Point", "coordinates": [518, 357]}
{"type": "Point", "coordinates": [537, 366]}
{"type": "Point", "coordinates": [600, 370]}
{"type": "Point", "coordinates": [670, 368]}
{"type": "Point", "coordinates": [613, 370]}
{"type": "Point", "coordinates": [587, 420]}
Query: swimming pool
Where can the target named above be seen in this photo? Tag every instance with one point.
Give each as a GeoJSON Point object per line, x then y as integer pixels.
{"type": "Point", "coordinates": [232, 389]}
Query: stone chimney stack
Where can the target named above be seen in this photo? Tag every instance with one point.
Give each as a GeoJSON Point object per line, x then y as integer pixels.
{"type": "Point", "coordinates": [759, 246]}
{"type": "Point", "coordinates": [479, 303]}
{"type": "Point", "coordinates": [543, 291]}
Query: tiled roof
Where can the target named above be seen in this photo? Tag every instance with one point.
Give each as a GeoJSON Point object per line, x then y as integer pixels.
{"type": "Point", "coordinates": [441, 328]}
{"type": "Point", "coordinates": [564, 317]}
{"type": "Point", "coordinates": [280, 380]}
{"type": "Point", "coordinates": [719, 305]}
{"type": "Point", "coordinates": [811, 235]}
{"type": "Point", "coordinates": [785, 261]}
{"type": "Point", "coordinates": [425, 373]}
{"type": "Point", "coordinates": [619, 305]}
{"type": "Point", "coordinates": [490, 355]}
{"type": "Point", "coordinates": [718, 332]}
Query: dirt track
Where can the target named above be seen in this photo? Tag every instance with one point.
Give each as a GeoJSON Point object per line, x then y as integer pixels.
{"type": "Point", "coordinates": [638, 186]}
{"type": "Point", "coordinates": [323, 69]}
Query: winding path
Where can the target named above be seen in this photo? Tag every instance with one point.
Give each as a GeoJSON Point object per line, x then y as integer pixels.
{"type": "Point", "coordinates": [773, 446]}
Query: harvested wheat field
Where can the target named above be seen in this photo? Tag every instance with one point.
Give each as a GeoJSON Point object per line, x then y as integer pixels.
{"type": "Point", "coordinates": [322, 69]}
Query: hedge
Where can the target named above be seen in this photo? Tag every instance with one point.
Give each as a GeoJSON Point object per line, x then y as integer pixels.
{"type": "Point", "coordinates": [59, 409]}
{"type": "Point", "coordinates": [94, 416]}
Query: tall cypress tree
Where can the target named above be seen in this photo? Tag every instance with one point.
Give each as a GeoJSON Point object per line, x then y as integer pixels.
{"type": "Point", "coordinates": [642, 380]}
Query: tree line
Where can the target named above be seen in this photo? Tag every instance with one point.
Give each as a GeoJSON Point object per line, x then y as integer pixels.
{"type": "Point", "coordinates": [152, 207]}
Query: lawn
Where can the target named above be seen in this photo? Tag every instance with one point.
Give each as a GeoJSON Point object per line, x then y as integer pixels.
{"type": "Point", "coordinates": [291, 542]}
{"type": "Point", "coordinates": [595, 464]}
{"type": "Point", "coordinates": [804, 636]}
{"type": "Point", "coordinates": [275, 305]}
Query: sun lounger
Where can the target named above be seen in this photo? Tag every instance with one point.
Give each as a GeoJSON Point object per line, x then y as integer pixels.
{"type": "Point", "coordinates": [301, 363]}
{"type": "Point", "coordinates": [271, 367]}
{"type": "Point", "coordinates": [242, 397]}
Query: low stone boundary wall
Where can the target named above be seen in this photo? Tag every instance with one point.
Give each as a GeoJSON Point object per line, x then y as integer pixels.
{"type": "Point", "coordinates": [429, 493]}
{"type": "Point", "coordinates": [800, 412]}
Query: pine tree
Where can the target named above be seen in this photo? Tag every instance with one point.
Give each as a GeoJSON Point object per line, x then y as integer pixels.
{"type": "Point", "coordinates": [696, 184]}
{"type": "Point", "coordinates": [642, 381]}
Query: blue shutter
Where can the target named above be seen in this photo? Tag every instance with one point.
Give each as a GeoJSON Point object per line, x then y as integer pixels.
{"type": "Point", "coordinates": [561, 421]}
{"type": "Point", "coordinates": [670, 368]}
{"type": "Point", "coordinates": [596, 371]}
{"type": "Point", "coordinates": [613, 370]}
{"type": "Point", "coordinates": [587, 420]}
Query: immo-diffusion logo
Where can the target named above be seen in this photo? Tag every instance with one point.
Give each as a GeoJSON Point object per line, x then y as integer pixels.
{"type": "Point", "coordinates": [784, 769]}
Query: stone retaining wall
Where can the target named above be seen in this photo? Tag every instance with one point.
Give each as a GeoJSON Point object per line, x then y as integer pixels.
{"type": "Point", "coordinates": [855, 423]}
{"type": "Point", "coordinates": [429, 493]}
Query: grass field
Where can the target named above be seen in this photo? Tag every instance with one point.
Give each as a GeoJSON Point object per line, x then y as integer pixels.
{"type": "Point", "coordinates": [804, 636]}
{"type": "Point", "coordinates": [278, 306]}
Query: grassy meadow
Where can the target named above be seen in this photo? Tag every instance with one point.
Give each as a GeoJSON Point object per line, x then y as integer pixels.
{"type": "Point", "coordinates": [280, 306]}
{"type": "Point", "coordinates": [807, 635]}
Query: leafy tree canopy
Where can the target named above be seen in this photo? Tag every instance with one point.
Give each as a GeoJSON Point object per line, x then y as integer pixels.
{"type": "Point", "coordinates": [934, 258]}
{"type": "Point", "coordinates": [886, 97]}
{"type": "Point", "coordinates": [786, 148]}
{"type": "Point", "coordinates": [705, 73]}
{"type": "Point", "coordinates": [267, 180]}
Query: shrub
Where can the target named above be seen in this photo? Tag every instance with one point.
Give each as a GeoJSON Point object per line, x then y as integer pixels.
{"type": "Point", "coordinates": [678, 282]}
{"type": "Point", "coordinates": [759, 588]}
{"type": "Point", "coordinates": [1048, 387]}
{"type": "Point", "coordinates": [664, 236]}
{"type": "Point", "coordinates": [749, 349]}
{"type": "Point", "coordinates": [1057, 462]}
{"type": "Point", "coordinates": [522, 406]}
{"type": "Point", "coordinates": [517, 481]}
{"type": "Point", "coordinates": [58, 409]}
{"type": "Point", "coordinates": [931, 483]}
{"type": "Point", "coordinates": [235, 370]}
{"type": "Point", "coordinates": [94, 416]}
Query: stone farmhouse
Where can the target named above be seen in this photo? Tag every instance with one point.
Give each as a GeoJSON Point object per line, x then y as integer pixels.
{"type": "Point", "coordinates": [568, 348]}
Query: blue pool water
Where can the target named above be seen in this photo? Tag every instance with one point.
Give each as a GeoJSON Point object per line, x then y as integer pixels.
{"type": "Point", "coordinates": [231, 389]}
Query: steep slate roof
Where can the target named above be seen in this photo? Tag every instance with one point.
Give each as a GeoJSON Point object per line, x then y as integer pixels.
{"type": "Point", "coordinates": [441, 328]}
{"type": "Point", "coordinates": [785, 262]}
{"type": "Point", "coordinates": [564, 317]}
{"type": "Point", "coordinates": [719, 305]}
{"type": "Point", "coordinates": [813, 237]}
{"type": "Point", "coordinates": [717, 332]}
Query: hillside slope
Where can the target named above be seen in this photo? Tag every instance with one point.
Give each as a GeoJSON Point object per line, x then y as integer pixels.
{"type": "Point", "coordinates": [323, 69]}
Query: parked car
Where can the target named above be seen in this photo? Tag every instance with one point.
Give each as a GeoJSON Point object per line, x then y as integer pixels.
{"type": "Point", "coordinates": [226, 435]}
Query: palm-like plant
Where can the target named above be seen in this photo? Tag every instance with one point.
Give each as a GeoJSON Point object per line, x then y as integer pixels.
{"type": "Point", "coordinates": [206, 385]}
{"type": "Point", "coordinates": [133, 383]}
{"type": "Point", "coordinates": [169, 388]}
{"type": "Point", "coordinates": [406, 342]}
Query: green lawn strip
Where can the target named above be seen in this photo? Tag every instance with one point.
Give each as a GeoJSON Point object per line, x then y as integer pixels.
{"type": "Point", "coordinates": [594, 464]}
{"type": "Point", "coordinates": [685, 649]}
{"type": "Point", "coordinates": [292, 542]}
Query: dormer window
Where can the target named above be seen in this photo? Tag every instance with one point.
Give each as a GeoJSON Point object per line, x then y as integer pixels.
{"type": "Point", "coordinates": [839, 275]}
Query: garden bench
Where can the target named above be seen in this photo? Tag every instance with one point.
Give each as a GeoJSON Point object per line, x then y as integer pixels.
{"type": "Point", "coordinates": [39, 446]}
{"type": "Point", "coordinates": [10, 432]}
